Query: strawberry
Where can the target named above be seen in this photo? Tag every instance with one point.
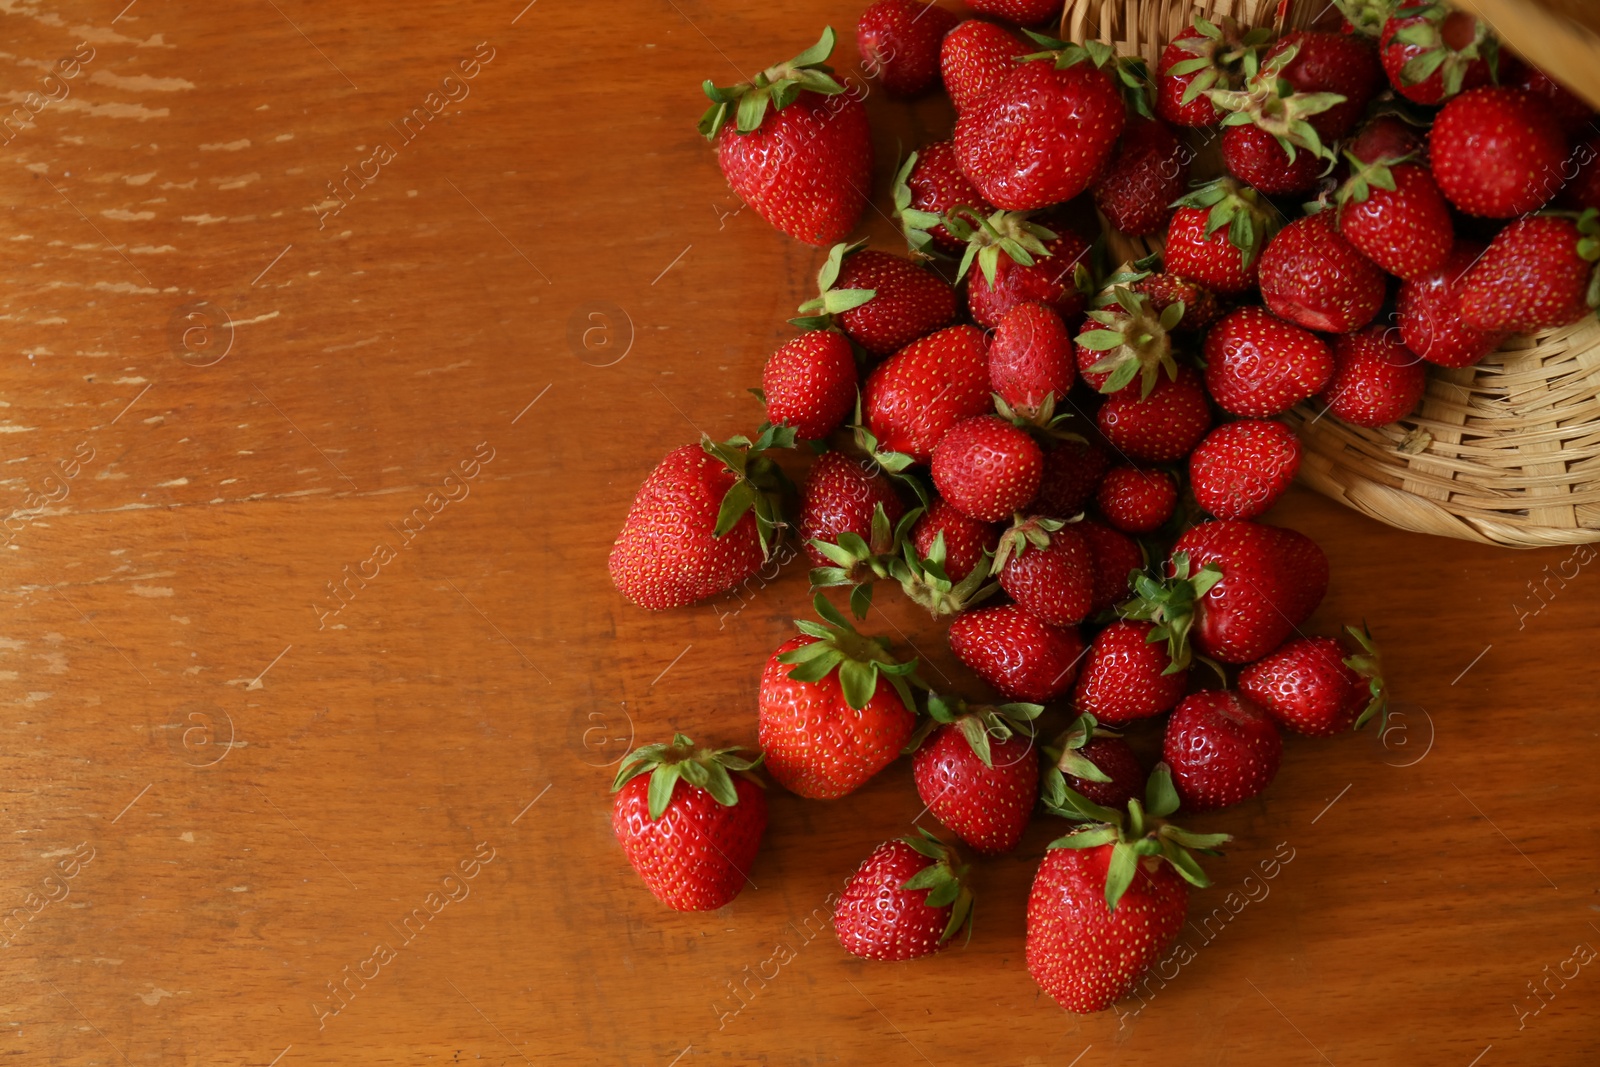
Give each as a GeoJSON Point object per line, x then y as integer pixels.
{"type": "Point", "coordinates": [1124, 337]}
{"type": "Point", "coordinates": [1020, 262]}
{"type": "Point", "coordinates": [966, 540]}
{"type": "Point", "coordinates": [1313, 686]}
{"type": "Point", "coordinates": [1242, 468]}
{"type": "Point", "coordinates": [809, 384]}
{"type": "Point", "coordinates": [899, 42]}
{"type": "Point", "coordinates": [975, 57]}
{"type": "Point", "coordinates": [1429, 309]}
{"type": "Point", "coordinates": [1030, 362]}
{"type": "Point", "coordinates": [1137, 501]}
{"type": "Point", "coordinates": [1327, 62]}
{"type": "Point", "coordinates": [882, 302]}
{"type": "Point", "coordinates": [1047, 568]}
{"type": "Point", "coordinates": [1497, 152]}
{"type": "Point", "coordinates": [834, 707]}
{"type": "Point", "coordinates": [978, 772]}
{"type": "Point", "coordinates": [842, 495]}
{"type": "Point", "coordinates": [1376, 379]}
{"type": "Point", "coordinates": [1159, 428]}
{"type": "Point", "coordinates": [1316, 279]}
{"type": "Point", "coordinates": [692, 845]}
{"type": "Point", "coordinates": [1022, 12]}
{"type": "Point", "coordinates": [1043, 135]}
{"type": "Point", "coordinates": [1127, 676]}
{"type": "Point", "coordinates": [1018, 654]}
{"type": "Point", "coordinates": [1201, 57]}
{"type": "Point", "coordinates": [799, 152]}
{"type": "Point", "coordinates": [1222, 748]}
{"type": "Point", "coordinates": [1116, 557]}
{"type": "Point", "coordinates": [1387, 136]}
{"type": "Point", "coordinates": [943, 564]}
{"type": "Point", "coordinates": [1146, 175]}
{"type": "Point", "coordinates": [987, 468]}
{"type": "Point", "coordinates": [1305, 571]}
{"type": "Point", "coordinates": [702, 522]}
{"type": "Point", "coordinates": [1072, 471]}
{"type": "Point", "coordinates": [906, 900]}
{"type": "Point", "coordinates": [1537, 273]}
{"type": "Point", "coordinates": [1095, 763]}
{"type": "Point", "coordinates": [1259, 159]}
{"type": "Point", "coordinates": [1572, 112]}
{"type": "Point", "coordinates": [1258, 366]}
{"type": "Point", "coordinates": [1216, 236]}
{"type": "Point", "coordinates": [929, 186]}
{"type": "Point", "coordinates": [913, 397]}
{"type": "Point", "coordinates": [1200, 305]}
{"type": "Point", "coordinates": [1394, 215]}
{"type": "Point", "coordinates": [1431, 52]}
{"type": "Point", "coordinates": [1274, 140]}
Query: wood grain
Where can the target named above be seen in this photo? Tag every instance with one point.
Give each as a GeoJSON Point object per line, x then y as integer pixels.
{"type": "Point", "coordinates": [239, 825]}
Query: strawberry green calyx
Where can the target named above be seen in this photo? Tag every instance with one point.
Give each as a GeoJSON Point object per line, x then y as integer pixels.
{"type": "Point", "coordinates": [1134, 342]}
{"type": "Point", "coordinates": [914, 223]}
{"type": "Point", "coordinates": [1436, 55]}
{"type": "Point", "coordinates": [1366, 16]}
{"type": "Point", "coordinates": [1268, 101]}
{"type": "Point", "coordinates": [777, 85]}
{"type": "Point", "coordinates": [1364, 177]}
{"type": "Point", "coordinates": [1022, 535]}
{"type": "Point", "coordinates": [1239, 208]}
{"type": "Point", "coordinates": [1064, 759]}
{"type": "Point", "coordinates": [1170, 604]}
{"type": "Point", "coordinates": [1589, 249]}
{"type": "Point", "coordinates": [760, 485]}
{"type": "Point", "coordinates": [1368, 663]}
{"type": "Point", "coordinates": [1141, 834]}
{"type": "Point", "coordinates": [1217, 49]}
{"type": "Point", "coordinates": [1131, 73]}
{"type": "Point", "coordinates": [859, 659]}
{"type": "Point", "coordinates": [944, 879]}
{"type": "Point", "coordinates": [1009, 232]}
{"type": "Point", "coordinates": [831, 301]}
{"type": "Point", "coordinates": [924, 580]}
{"type": "Point", "coordinates": [704, 767]}
{"type": "Point", "coordinates": [896, 465]}
{"type": "Point", "coordinates": [980, 724]}
{"type": "Point", "coordinates": [858, 561]}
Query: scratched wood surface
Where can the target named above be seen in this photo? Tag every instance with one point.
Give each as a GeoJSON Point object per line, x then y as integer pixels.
{"type": "Point", "coordinates": [248, 820]}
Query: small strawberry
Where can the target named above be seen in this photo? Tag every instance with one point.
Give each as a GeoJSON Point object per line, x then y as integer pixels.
{"type": "Point", "coordinates": [1203, 56]}
{"type": "Point", "coordinates": [881, 301]}
{"type": "Point", "coordinates": [1327, 62]}
{"type": "Point", "coordinates": [842, 496]}
{"type": "Point", "coordinates": [986, 467]}
{"type": "Point", "coordinates": [1162, 427]}
{"type": "Point", "coordinates": [800, 151]}
{"type": "Point", "coordinates": [1376, 379]}
{"type": "Point", "coordinates": [1497, 152]}
{"type": "Point", "coordinates": [899, 42]}
{"type": "Point", "coordinates": [1305, 571]}
{"type": "Point", "coordinates": [702, 522]}
{"type": "Point", "coordinates": [1216, 236]}
{"type": "Point", "coordinates": [1387, 136]}
{"type": "Point", "coordinates": [1030, 362]}
{"type": "Point", "coordinates": [1200, 305]}
{"type": "Point", "coordinates": [1124, 337]}
{"type": "Point", "coordinates": [834, 707]}
{"type": "Point", "coordinates": [1222, 749]}
{"type": "Point", "coordinates": [1047, 568]}
{"type": "Point", "coordinates": [1316, 279]}
{"type": "Point", "coordinates": [1019, 262]}
{"type": "Point", "coordinates": [978, 771]}
{"type": "Point", "coordinates": [1432, 52]}
{"type": "Point", "coordinates": [1429, 310]}
{"type": "Point", "coordinates": [1116, 558]}
{"type": "Point", "coordinates": [694, 845]}
{"type": "Point", "coordinates": [1137, 501]}
{"type": "Point", "coordinates": [1393, 213]}
{"type": "Point", "coordinates": [967, 541]}
{"type": "Point", "coordinates": [1072, 472]}
{"type": "Point", "coordinates": [1127, 676]}
{"type": "Point", "coordinates": [929, 186]}
{"type": "Point", "coordinates": [1018, 654]}
{"type": "Point", "coordinates": [1258, 366]}
{"type": "Point", "coordinates": [906, 900]}
{"type": "Point", "coordinates": [975, 57]}
{"type": "Point", "coordinates": [1313, 686]}
{"type": "Point", "coordinates": [1095, 763]}
{"type": "Point", "coordinates": [1148, 172]}
{"type": "Point", "coordinates": [809, 384]}
{"type": "Point", "coordinates": [944, 562]}
{"type": "Point", "coordinates": [1022, 12]}
{"type": "Point", "coordinates": [1538, 273]}
{"type": "Point", "coordinates": [913, 397]}
{"type": "Point", "coordinates": [1242, 468]}
{"type": "Point", "coordinates": [1258, 158]}
{"type": "Point", "coordinates": [1274, 139]}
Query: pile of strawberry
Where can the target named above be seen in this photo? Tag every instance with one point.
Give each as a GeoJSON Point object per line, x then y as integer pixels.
{"type": "Point", "coordinates": [1063, 459]}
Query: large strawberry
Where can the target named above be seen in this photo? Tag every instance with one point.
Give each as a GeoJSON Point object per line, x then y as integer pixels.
{"type": "Point", "coordinates": [1216, 236]}
{"type": "Point", "coordinates": [1313, 686]}
{"type": "Point", "coordinates": [976, 57]}
{"type": "Point", "coordinates": [928, 187]}
{"type": "Point", "coordinates": [1258, 366]}
{"type": "Point", "coordinates": [1159, 428]}
{"type": "Point", "coordinates": [1393, 213]}
{"type": "Point", "coordinates": [1222, 748]}
{"type": "Point", "coordinates": [1030, 362]}
{"type": "Point", "coordinates": [1376, 379]}
{"type": "Point", "coordinates": [689, 827]}
{"type": "Point", "coordinates": [1429, 308]}
{"type": "Point", "coordinates": [1093, 762]}
{"type": "Point", "coordinates": [809, 384]}
{"type": "Point", "coordinates": [899, 42]}
{"type": "Point", "coordinates": [906, 900]}
{"type": "Point", "coordinates": [1047, 568]}
{"type": "Point", "coordinates": [799, 151]}
{"type": "Point", "coordinates": [1128, 675]}
{"type": "Point", "coordinates": [835, 707]}
{"type": "Point", "coordinates": [1537, 273]}
{"type": "Point", "coordinates": [1019, 654]}
{"type": "Point", "coordinates": [978, 771]}
{"type": "Point", "coordinates": [1345, 65]}
{"type": "Point", "coordinates": [912, 398]}
{"type": "Point", "coordinates": [842, 495]}
{"type": "Point", "coordinates": [1241, 468]}
{"type": "Point", "coordinates": [702, 522]}
{"type": "Point", "coordinates": [1019, 262]}
{"type": "Point", "coordinates": [1431, 51]}
{"type": "Point", "coordinates": [986, 467]}
{"type": "Point", "coordinates": [1305, 571]}
{"type": "Point", "coordinates": [1315, 278]}
{"type": "Point", "coordinates": [1497, 152]}
{"type": "Point", "coordinates": [1147, 174]}
{"type": "Point", "coordinates": [882, 302]}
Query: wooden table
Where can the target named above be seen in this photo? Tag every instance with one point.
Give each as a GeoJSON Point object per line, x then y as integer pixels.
{"type": "Point", "coordinates": [252, 819]}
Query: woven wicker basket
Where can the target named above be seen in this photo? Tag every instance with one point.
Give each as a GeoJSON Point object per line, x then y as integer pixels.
{"type": "Point", "coordinates": [1514, 455]}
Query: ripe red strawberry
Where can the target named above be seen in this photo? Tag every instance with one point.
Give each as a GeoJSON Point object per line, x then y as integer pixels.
{"type": "Point", "coordinates": [1124, 337]}
{"type": "Point", "coordinates": [1030, 362]}
{"type": "Point", "coordinates": [1430, 313]}
{"type": "Point", "coordinates": [1326, 62]}
{"type": "Point", "coordinates": [1047, 568]}
{"type": "Point", "coordinates": [1020, 262]}
{"type": "Point", "coordinates": [1022, 12]}
{"type": "Point", "coordinates": [1257, 365]}
{"type": "Point", "coordinates": [1018, 654]}
{"type": "Point", "coordinates": [1537, 273]}
{"type": "Point", "coordinates": [1497, 152]}
{"type": "Point", "coordinates": [1387, 136]}
{"type": "Point", "coordinates": [800, 152]}
{"type": "Point", "coordinates": [689, 827]}
{"type": "Point", "coordinates": [1116, 557]}
{"type": "Point", "coordinates": [1572, 112]}
{"type": "Point", "coordinates": [978, 772]}
{"type": "Point", "coordinates": [1376, 379]}
{"type": "Point", "coordinates": [1394, 215]}
{"type": "Point", "coordinates": [883, 302]}
{"type": "Point", "coordinates": [899, 42]}
{"type": "Point", "coordinates": [1274, 140]}
{"type": "Point", "coordinates": [1242, 468]}
{"type": "Point", "coordinates": [1094, 763]}
{"type": "Point", "coordinates": [834, 707]}
{"type": "Point", "coordinates": [1126, 676]}
{"type": "Point", "coordinates": [1222, 749]}
{"type": "Point", "coordinates": [1259, 159]}
{"type": "Point", "coordinates": [1432, 52]}
{"type": "Point", "coordinates": [987, 468]}
{"type": "Point", "coordinates": [906, 900]}
{"type": "Point", "coordinates": [1313, 686]}
{"type": "Point", "coordinates": [676, 546]}
{"type": "Point", "coordinates": [1149, 172]}
{"type": "Point", "coordinates": [1137, 501]}
{"type": "Point", "coordinates": [1200, 305]}
{"type": "Point", "coordinates": [966, 540]}
{"type": "Point", "coordinates": [1072, 472]}
{"type": "Point", "coordinates": [841, 496]}
{"type": "Point", "coordinates": [1159, 428]}
{"type": "Point", "coordinates": [810, 384]}
{"type": "Point", "coordinates": [1216, 236]}
{"type": "Point", "coordinates": [913, 397]}
{"type": "Point", "coordinates": [1316, 279]}
{"type": "Point", "coordinates": [1201, 57]}
{"type": "Point", "coordinates": [975, 57]}
{"type": "Point", "coordinates": [1044, 134]}
{"type": "Point", "coordinates": [929, 186]}
{"type": "Point", "coordinates": [1305, 571]}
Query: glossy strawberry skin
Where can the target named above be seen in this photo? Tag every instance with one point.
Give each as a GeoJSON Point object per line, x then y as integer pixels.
{"type": "Point", "coordinates": [1242, 617]}
{"type": "Point", "coordinates": [696, 857]}
{"type": "Point", "coordinates": [1242, 468]}
{"type": "Point", "coordinates": [1022, 12]}
{"type": "Point", "coordinates": [1429, 308]}
{"type": "Point", "coordinates": [1496, 152]}
{"type": "Point", "coordinates": [909, 302]}
{"type": "Point", "coordinates": [987, 806]}
{"type": "Point", "coordinates": [1201, 307]}
{"type": "Point", "coordinates": [1305, 571]}
{"type": "Point", "coordinates": [1054, 583]}
{"type": "Point", "coordinates": [1212, 261]}
{"type": "Point", "coordinates": [986, 467]}
{"type": "Point", "coordinates": [840, 496]}
{"type": "Point", "coordinates": [1136, 501]}
{"type": "Point", "coordinates": [1148, 172]}
{"type": "Point", "coordinates": [965, 539]}
{"type": "Point", "coordinates": [806, 169]}
{"type": "Point", "coordinates": [1314, 278]}
{"type": "Point", "coordinates": [1258, 366]}
{"type": "Point", "coordinates": [810, 384]}
{"type": "Point", "coordinates": [975, 57]}
{"type": "Point", "coordinates": [1376, 379]}
{"type": "Point", "coordinates": [1170, 87]}
{"type": "Point", "coordinates": [1049, 281]}
{"type": "Point", "coordinates": [1116, 760]}
{"type": "Point", "coordinates": [899, 41]}
{"type": "Point", "coordinates": [1159, 428]}
{"type": "Point", "coordinates": [1332, 63]}
{"type": "Point", "coordinates": [1122, 679]}
{"type": "Point", "coordinates": [876, 919]}
{"type": "Point", "coordinates": [1407, 230]}
{"type": "Point", "coordinates": [816, 745]}
{"type": "Point", "coordinates": [1016, 653]}
{"type": "Point", "coordinates": [1530, 278]}
{"type": "Point", "coordinates": [1116, 556]}
{"type": "Point", "coordinates": [937, 185]}
{"type": "Point", "coordinates": [1222, 748]}
{"type": "Point", "coordinates": [665, 556]}
{"type": "Point", "coordinates": [1030, 358]}
{"type": "Point", "coordinates": [912, 398]}
{"type": "Point", "coordinates": [1072, 472]}
{"type": "Point", "coordinates": [1306, 687]}
{"type": "Point", "coordinates": [1255, 157]}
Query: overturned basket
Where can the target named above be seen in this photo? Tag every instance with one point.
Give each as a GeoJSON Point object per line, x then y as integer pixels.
{"type": "Point", "coordinates": [1506, 452]}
